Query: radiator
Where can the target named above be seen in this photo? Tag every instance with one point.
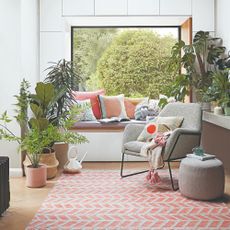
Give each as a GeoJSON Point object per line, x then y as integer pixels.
{"type": "Point", "coordinates": [4, 184]}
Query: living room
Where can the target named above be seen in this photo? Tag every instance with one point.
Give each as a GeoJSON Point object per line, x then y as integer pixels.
{"type": "Point", "coordinates": [133, 96]}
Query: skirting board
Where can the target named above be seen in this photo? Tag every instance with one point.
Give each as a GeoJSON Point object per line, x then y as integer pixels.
{"type": "Point", "coordinates": [15, 172]}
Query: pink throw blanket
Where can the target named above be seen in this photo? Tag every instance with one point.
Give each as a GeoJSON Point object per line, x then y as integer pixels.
{"type": "Point", "coordinates": [153, 151]}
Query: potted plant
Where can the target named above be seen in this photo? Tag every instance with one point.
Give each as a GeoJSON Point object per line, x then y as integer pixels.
{"type": "Point", "coordinates": [63, 76]}
{"type": "Point", "coordinates": [199, 60]}
{"type": "Point", "coordinates": [41, 133]}
{"type": "Point", "coordinates": [221, 85]}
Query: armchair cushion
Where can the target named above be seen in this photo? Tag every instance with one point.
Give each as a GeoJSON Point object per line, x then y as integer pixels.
{"type": "Point", "coordinates": [131, 132]}
{"type": "Point", "coordinates": [134, 146]}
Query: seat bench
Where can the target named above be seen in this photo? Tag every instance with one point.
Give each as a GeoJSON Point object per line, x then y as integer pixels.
{"type": "Point", "coordinates": [105, 140]}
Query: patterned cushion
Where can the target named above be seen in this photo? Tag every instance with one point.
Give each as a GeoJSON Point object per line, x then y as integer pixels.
{"type": "Point", "coordinates": [130, 105]}
{"type": "Point", "coordinates": [93, 96]}
{"type": "Point", "coordinates": [160, 124]}
{"type": "Point", "coordinates": [140, 110]}
{"type": "Point", "coordinates": [87, 112]}
{"type": "Point", "coordinates": [112, 106]}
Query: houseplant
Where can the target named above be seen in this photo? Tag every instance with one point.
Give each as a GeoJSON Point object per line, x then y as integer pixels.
{"type": "Point", "coordinates": [63, 76]}
{"type": "Point", "coordinates": [41, 103]}
{"type": "Point", "coordinates": [198, 60]}
{"type": "Point", "coordinates": [221, 84]}
{"type": "Point", "coordinates": [41, 133]}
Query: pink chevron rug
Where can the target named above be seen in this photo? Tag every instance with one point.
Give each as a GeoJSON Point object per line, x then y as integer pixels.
{"type": "Point", "coordinates": [101, 200]}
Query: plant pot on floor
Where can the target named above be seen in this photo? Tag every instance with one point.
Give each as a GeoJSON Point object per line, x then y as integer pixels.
{"type": "Point", "coordinates": [61, 150]}
{"type": "Point", "coordinates": [227, 111]}
{"type": "Point", "coordinates": [36, 177]}
{"type": "Point", "coordinates": [48, 159]}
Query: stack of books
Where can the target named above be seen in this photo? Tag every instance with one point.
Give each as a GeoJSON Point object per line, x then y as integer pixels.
{"type": "Point", "coordinates": [202, 158]}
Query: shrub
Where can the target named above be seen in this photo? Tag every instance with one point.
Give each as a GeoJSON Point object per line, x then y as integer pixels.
{"type": "Point", "coordinates": [136, 64]}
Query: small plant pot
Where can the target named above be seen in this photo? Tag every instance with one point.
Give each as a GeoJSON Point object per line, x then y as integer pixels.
{"type": "Point", "coordinates": [206, 106]}
{"type": "Point", "coordinates": [36, 177]}
{"type": "Point", "coordinates": [61, 150]}
{"type": "Point", "coordinates": [48, 159]}
{"type": "Point", "coordinates": [227, 111]}
{"type": "Point", "coordinates": [218, 110]}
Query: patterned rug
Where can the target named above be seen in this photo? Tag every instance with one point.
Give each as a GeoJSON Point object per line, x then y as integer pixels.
{"type": "Point", "coordinates": [101, 200]}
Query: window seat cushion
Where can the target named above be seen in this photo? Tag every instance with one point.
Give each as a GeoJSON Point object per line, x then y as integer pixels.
{"type": "Point", "coordinates": [97, 126]}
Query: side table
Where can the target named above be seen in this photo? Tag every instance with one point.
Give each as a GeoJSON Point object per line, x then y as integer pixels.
{"type": "Point", "coordinates": [201, 180]}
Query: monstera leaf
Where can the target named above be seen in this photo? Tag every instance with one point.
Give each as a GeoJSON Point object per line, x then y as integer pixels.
{"type": "Point", "coordinates": [214, 53]}
{"type": "Point", "coordinates": [45, 93]}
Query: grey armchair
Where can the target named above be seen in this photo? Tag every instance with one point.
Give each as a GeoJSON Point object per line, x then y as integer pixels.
{"type": "Point", "coordinates": [181, 141]}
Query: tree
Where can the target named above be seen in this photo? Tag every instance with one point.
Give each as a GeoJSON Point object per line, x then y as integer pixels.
{"type": "Point", "coordinates": [135, 63]}
{"type": "Point", "coordinates": [89, 45]}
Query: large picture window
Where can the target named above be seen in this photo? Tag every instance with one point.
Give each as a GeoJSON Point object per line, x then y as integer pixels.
{"type": "Point", "coordinates": [128, 60]}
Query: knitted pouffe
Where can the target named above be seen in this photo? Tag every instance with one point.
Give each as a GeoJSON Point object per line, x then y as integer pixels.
{"type": "Point", "coordinates": [201, 180]}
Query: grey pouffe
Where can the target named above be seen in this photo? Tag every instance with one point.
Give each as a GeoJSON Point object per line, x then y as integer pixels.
{"type": "Point", "coordinates": [201, 180]}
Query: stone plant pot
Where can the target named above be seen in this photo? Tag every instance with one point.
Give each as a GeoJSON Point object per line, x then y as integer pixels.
{"type": "Point", "coordinates": [61, 150]}
{"type": "Point", "coordinates": [206, 106]}
{"type": "Point", "coordinates": [227, 111]}
{"type": "Point", "coordinates": [218, 110]}
{"type": "Point", "coordinates": [48, 159]}
{"type": "Point", "coordinates": [36, 177]}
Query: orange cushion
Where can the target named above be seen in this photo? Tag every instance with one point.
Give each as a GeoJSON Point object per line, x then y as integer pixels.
{"type": "Point", "coordinates": [130, 105]}
{"type": "Point", "coordinates": [93, 96]}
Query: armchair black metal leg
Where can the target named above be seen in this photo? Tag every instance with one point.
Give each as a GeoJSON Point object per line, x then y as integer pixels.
{"type": "Point", "coordinates": [122, 168]}
{"type": "Point", "coordinates": [171, 177]}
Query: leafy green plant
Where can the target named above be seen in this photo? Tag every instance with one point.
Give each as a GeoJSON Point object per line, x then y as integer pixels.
{"type": "Point", "coordinates": [41, 133]}
{"type": "Point", "coordinates": [200, 60]}
{"type": "Point", "coordinates": [221, 84]}
{"type": "Point", "coordinates": [63, 76]}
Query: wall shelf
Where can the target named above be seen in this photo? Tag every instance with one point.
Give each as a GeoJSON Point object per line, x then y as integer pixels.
{"type": "Point", "coordinates": [219, 120]}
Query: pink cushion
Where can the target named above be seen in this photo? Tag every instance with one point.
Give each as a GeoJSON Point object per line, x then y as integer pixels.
{"type": "Point", "coordinates": [93, 96]}
{"type": "Point", "coordinates": [113, 106]}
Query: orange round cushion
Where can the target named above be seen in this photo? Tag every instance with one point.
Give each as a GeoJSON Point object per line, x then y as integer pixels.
{"type": "Point", "coordinates": [151, 128]}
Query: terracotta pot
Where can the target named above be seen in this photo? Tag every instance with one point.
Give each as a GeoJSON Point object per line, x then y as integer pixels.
{"type": "Point", "coordinates": [36, 177]}
{"type": "Point", "coordinates": [48, 159]}
{"type": "Point", "coordinates": [61, 150]}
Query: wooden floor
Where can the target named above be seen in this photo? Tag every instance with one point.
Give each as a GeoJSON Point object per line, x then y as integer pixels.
{"type": "Point", "coordinates": [25, 201]}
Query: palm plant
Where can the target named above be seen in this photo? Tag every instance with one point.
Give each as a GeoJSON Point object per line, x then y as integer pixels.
{"type": "Point", "coordinates": [63, 76]}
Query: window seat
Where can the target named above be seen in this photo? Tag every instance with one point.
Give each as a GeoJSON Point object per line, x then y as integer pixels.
{"type": "Point", "coordinates": [105, 140]}
{"type": "Point", "coordinates": [96, 126]}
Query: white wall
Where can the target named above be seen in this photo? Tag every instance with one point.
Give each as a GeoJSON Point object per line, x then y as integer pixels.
{"type": "Point", "coordinates": [222, 21]}
{"type": "Point", "coordinates": [34, 32]}
{"type": "Point", "coordinates": [18, 58]}
{"type": "Point", "coordinates": [10, 70]}
{"type": "Point", "coordinates": [57, 16]}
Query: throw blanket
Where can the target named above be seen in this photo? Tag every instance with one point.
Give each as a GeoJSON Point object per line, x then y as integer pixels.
{"type": "Point", "coordinates": [153, 151]}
